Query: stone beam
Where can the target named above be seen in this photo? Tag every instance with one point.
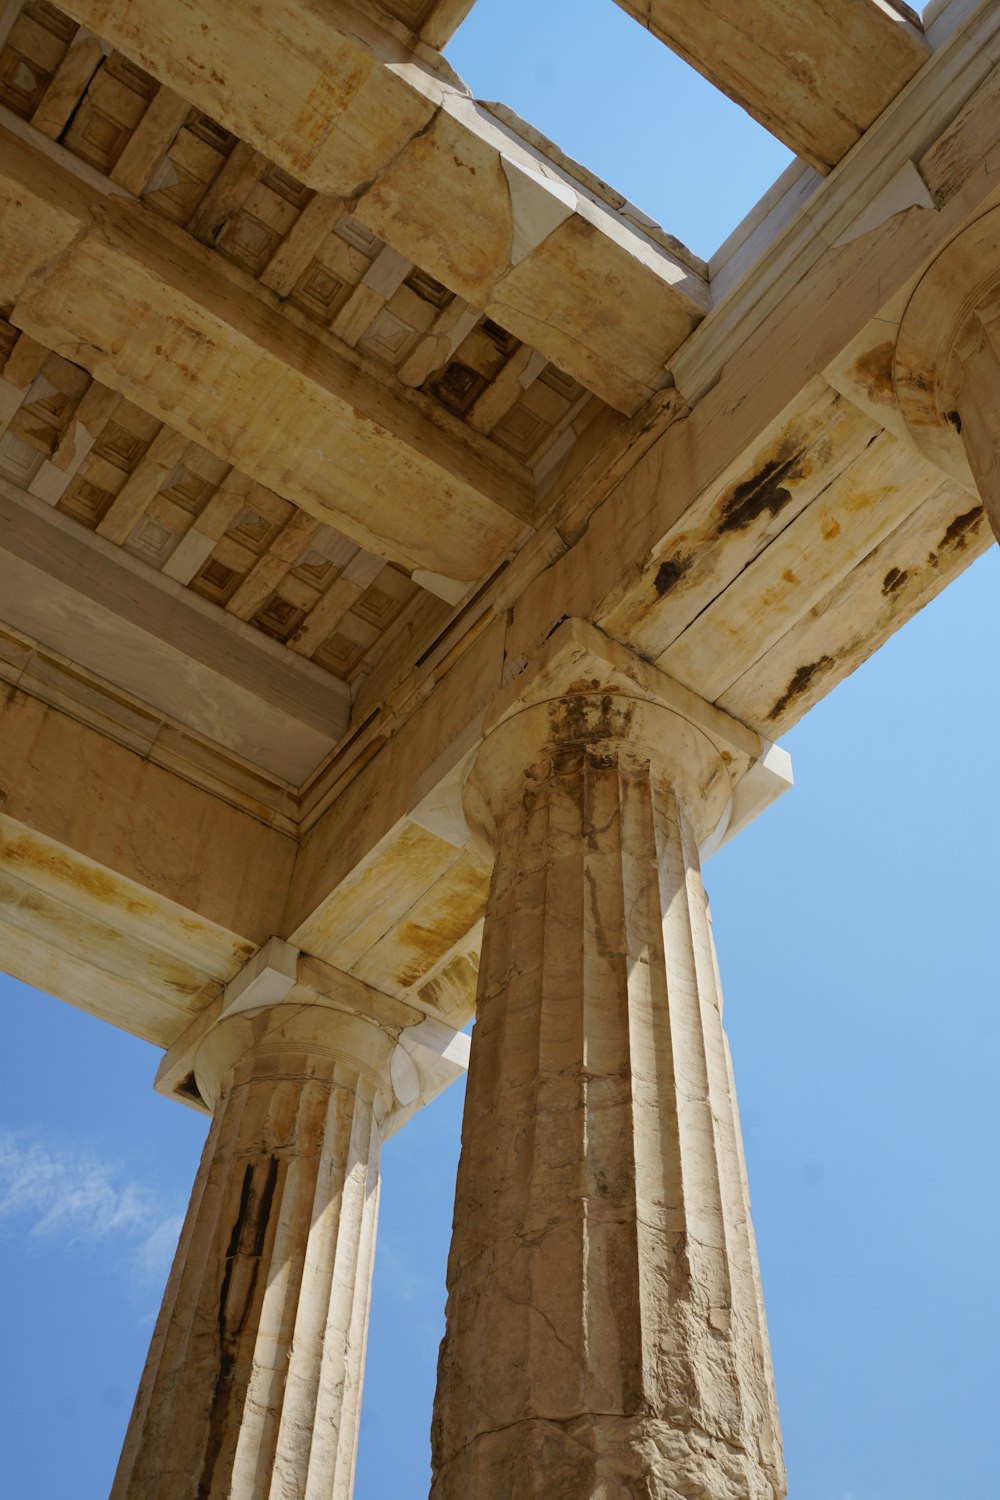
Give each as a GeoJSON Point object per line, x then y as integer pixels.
{"type": "Point", "coordinates": [151, 314]}
{"type": "Point", "coordinates": [816, 73]}
{"type": "Point", "coordinates": [825, 279]}
{"type": "Point", "coordinates": [136, 901]}
{"type": "Point", "coordinates": [925, 170]}
{"type": "Point", "coordinates": [91, 601]}
{"type": "Point", "coordinates": [441, 19]}
{"type": "Point", "coordinates": [433, 22]}
{"type": "Point", "coordinates": [349, 110]}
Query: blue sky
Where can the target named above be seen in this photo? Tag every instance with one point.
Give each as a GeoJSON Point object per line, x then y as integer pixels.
{"type": "Point", "coordinates": [856, 924]}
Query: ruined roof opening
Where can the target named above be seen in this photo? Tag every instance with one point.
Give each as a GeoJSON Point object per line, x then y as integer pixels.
{"type": "Point", "coordinates": [698, 164]}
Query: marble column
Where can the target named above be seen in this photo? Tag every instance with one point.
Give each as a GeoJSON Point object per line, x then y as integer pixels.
{"type": "Point", "coordinates": [253, 1380]}
{"type": "Point", "coordinates": [605, 1331]}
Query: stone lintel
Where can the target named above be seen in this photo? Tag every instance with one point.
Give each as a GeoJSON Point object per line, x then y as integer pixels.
{"type": "Point", "coordinates": [814, 74]}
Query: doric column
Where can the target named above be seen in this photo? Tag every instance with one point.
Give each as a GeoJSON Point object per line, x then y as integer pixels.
{"type": "Point", "coordinates": [252, 1385]}
{"type": "Point", "coordinates": [605, 1333]}
{"type": "Point", "coordinates": [947, 364]}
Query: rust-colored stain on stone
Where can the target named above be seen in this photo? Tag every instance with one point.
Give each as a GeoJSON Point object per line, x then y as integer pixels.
{"type": "Point", "coordinates": [799, 684]}
{"type": "Point", "coordinates": [670, 573]}
{"type": "Point", "coordinates": [182, 983]}
{"type": "Point", "coordinates": [913, 380]}
{"type": "Point", "coordinates": [766, 490]}
{"type": "Point", "coordinates": [28, 855]}
{"type": "Point", "coordinates": [874, 371]}
{"type": "Point", "coordinates": [957, 535]}
{"type": "Point", "coordinates": [457, 909]}
{"type": "Point", "coordinates": [453, 990]}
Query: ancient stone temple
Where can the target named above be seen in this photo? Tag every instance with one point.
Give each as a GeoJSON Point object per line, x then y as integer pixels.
{"type": "Point", "coordinates": [411, 558]}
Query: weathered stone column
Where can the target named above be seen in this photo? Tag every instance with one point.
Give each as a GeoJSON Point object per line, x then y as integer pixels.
{"type": "Point", "coordinates": [606, 1336]}
{"type": "Point", "coordinates": [947, 363]}
{"type": "Point", "coordinates": [253, 1380]}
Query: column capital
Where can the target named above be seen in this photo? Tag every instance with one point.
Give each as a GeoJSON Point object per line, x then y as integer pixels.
{"type": "Point", "coordinates": [587, 691]}
{"type": "Point", "coordinates": [946, 368]}
{"type": "Point", "coordinates": [289, 1008]}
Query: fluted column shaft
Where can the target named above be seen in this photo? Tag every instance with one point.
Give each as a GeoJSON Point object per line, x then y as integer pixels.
{"type": "Point", "coordinates": [605, 1332]}
{"type": "Point", "coordinates": [252, 1384]}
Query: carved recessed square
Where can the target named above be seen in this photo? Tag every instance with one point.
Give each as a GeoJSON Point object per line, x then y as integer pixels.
{"type": "Point", "coordinates": [116, 100]}
{"type": "Point", "coordinates": [430, 290]}
{"type": "Point", "coordinates": [520, 431]}
{"type": "Point", "coordinates": [319, 292]}
{"type": "Point", "coordinates": [279, 618]}
{"type": "Point", "coordinates": [52, 18]}
{"type": "Point", "coordinates": [35, 47]}
{"type": "Point", "coordinates": [152, 542]}
{"type": "Point", "coordinates": [504, 341]}
{"type": "Point", "coordinates": [255, 531]}
{"type": "Point", "coordinates": [100, 139]}
{"type": "Point", "coordinates": [121, 446]}
{"type": "Point", "coordinates": [49, 404]}
{"type": "Point", "coordinates": [564, 385]}
{"type": "Point", "coordinates": [380, 606]}
{"type": "Point", "coordinates": [189, 491]}
{"type": "Point", "coordinates": [216, 581]}
{"type": "Point", "coordinates": [339, 654]}
{"type": "Point", "coordinates": [86, 502]}
{"type": "Point", "coordinates": [248, 242]}
{"type": "Point", "coordinates": [458, 387]}
{"type": "Point", "coordinates": [357, 235]}
{"type": "Point", "coordinates": [131, 75]}
{"type": "Point", "coordinates": [212, 133]}
{"type": "Point", "coordinates": [19, 461]}
{"type": "Point", "coordinates": [389, 338]}
{"type": "Point", "coordinates": [22, 82]}
{"type": "Point", "coordinates": [174, 192]}
{"type": "Point", "coordinates": [287, 187]}
{"type": "Point", "coordinates": [314, 568]}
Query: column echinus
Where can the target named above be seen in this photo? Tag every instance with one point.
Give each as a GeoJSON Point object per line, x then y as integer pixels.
{"type": "Point", "coordinates": [252, 1385]}
{"type": "Point", "coordinates": [947, 362]}
{"type": "Point", "coordinates": [605, 1331]}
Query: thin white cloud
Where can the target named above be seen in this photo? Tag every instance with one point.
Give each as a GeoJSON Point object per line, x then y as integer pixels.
{"type": "Point", "coordinates": [48, 1191]}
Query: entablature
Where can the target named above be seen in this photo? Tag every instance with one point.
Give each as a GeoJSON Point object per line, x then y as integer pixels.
{"type": "Point", "coordinates": [752, 532]}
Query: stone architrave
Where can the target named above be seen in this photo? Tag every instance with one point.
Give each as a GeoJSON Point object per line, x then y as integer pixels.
{"type": "Point", "coordinates": [252, 1385]}
{"type": "Point", "coordinates": [947, 362]}
{"type": "Point", "coordinates": [606, 1335]}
